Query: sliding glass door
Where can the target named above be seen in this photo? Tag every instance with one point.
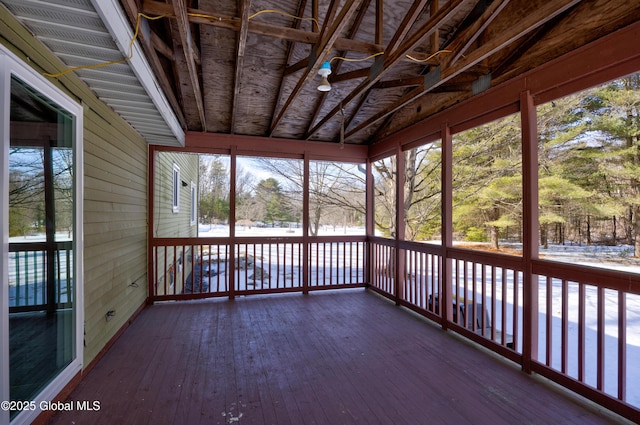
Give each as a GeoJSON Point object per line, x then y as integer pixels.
{"type": "Point", "coordinates": [41, 302]}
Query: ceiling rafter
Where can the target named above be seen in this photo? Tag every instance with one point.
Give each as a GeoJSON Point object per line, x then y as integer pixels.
{"type": "Point", "coordinates": [443, 15]}
{"type": "Point", "coordinates": [528, 23]}
{"type": "Point", "coordinates": [415, 11]}
{"type": "Point", "coordinates": [405, 26]}
{"type": "Point", "coordinates": [328, 36]}
{"type": "Point", "coordinates": [352, 33]}
{"type": "Point", "coordinates": [301, 64]}
{"type": "Point", "coordinates": [433, 53]}
{"type": "Point", "coordinates": [296, 24]}
{"type": "Point", "coordinates": [185, 36]}
{"type": "Point", "coordinates": [198, 16]}
{"type": "Point", "coordinates": [240, 50]}
{"type": "Point", "coordinates": [158, 43]}
{"type": "Point", "coordinates": [148, 46]}
{"type": "Point", "coordinates": [527, 42]}
{"type": "Point", "coordinates": [460, 45]}
{"type": "Point", "coordinates": [379, 37]}
{"type": "Point", "coordinates": [332, 10]}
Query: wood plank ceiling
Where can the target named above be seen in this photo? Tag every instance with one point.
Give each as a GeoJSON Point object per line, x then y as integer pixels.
{"type": "Point", "coordinates": [251, 67]}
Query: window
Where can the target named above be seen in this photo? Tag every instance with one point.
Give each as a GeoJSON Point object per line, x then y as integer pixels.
{"type": "Point", "coordinates": [176, 189]}
{"type": "Point", "coordinates": [194, 204]}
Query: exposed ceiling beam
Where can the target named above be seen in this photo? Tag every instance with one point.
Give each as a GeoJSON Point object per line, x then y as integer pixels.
{"type": "Point", "coordinates": [163, 48]}
{"type": "Point", "coordinates": [409, 19]}
{"type": "Point", "coordinates": [352, 33]}
{"type": "Point", "coordinates": [292, 69]}
{"type": "Point", "coordinates": [328, 36]}
{"type": "Point", "coordinates": [351, 75]}
{"type": "Point", "coordinates": [443, 15]}
{"type": "Point", "coordinates": [242, 44]}
{"type": "Point", "coordinates": [197, 16]}
{"type": "Point", "coordinates": [544, 13]}
{"type": "Point", "coordinates": [471, 34]}
{"type": "Point", "coordinates": [525, 44]}
{"type": "Point", "coordinates": [186, 39]}
{"type": "Point", "coordinates": [154, 62]}
{"type": "Point", "coordinates": [331, 11]}
{"type": "Point", "coordinates": [379, 37]}
{"type": "Point", "coordinates": [290, 48]}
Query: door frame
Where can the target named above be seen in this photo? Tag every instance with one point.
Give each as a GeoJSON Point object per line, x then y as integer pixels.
{"type": "Point", "coordinates": [12, 65]}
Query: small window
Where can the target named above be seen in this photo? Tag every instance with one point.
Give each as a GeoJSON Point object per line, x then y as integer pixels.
{"type": "Point", "coordinates": [176, 188]}
{"type": "Point", "coordinates": [194, 205]}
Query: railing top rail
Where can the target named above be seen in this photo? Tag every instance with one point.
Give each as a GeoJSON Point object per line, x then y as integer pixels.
{"type": "Point", "coordinates": [490, 258]}
{"type": "Point", "coordinates": [38, 246]}
{"type": "Point", "coordinates": [382, 241]}
{"type": "Point", "coordinates": [425, 247]}
{"type": "Point", "coordinates": [607, 278]}
{"type": "Point", "coordinates": [225, 240]}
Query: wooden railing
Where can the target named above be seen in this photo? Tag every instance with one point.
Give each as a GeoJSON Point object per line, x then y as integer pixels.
{"type": "Point", "coordinates": [579, 315]}
{"type": "Point", "coordinates": [584, 341]}
{"type": "Point", "coordinates": [578, 333]}
{"type": "Point", "coordinates": [32, 286]}
{"type": "Point", "coordinates": [210, 267]}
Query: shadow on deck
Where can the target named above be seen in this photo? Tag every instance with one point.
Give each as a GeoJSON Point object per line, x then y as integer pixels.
{"type": "Point", "coordinates": [339, 357]}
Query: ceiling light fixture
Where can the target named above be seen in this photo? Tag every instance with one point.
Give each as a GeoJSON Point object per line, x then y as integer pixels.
{"type": "Point", "coordinates": [324, 72]}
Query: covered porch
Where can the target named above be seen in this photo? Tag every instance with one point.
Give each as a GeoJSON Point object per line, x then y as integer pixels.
{"type": "Point", "coordinates": [330, 357]}
{"type": "Point", "coordinates": [383, 325]}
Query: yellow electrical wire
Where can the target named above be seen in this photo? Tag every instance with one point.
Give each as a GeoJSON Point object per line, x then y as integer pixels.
{"type": "Point", "coordinates": [100, 65]}
{"type": "Point", "coordinates": [217, 18]}
{"type": "Point", "coordinates": [356, 60]}
{"type": "Point", "coordinates": [429, 57]}
{"type": "Point", "coordinates": [280, 12]}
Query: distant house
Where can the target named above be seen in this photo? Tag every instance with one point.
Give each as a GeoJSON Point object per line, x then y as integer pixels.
{"type": "Point", "coordinates": [175, 212]}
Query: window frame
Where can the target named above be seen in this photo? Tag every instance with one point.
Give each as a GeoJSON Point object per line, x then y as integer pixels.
{"type": "Point", "coordinates": [194, 205]}
{"type": "Point", "coordinates": [175, 189]}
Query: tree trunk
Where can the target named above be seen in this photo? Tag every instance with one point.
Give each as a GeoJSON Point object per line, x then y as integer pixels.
{"type": "Point", "coordinates": [494, 237]}
{"type": "Point", "coordinates": [314, 222]}
{"type": "Point", "coordinates": [543, 236]}
{"type": "Point", "coordinates": [636, 231]}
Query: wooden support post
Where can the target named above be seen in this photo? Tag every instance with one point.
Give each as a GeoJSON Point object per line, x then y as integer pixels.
{"type": "Point", "coordinates": [151, 254]}
{"type": "Point", "coordinates": [231, 254]}
{"type": "Point", "coordinates": [530, 228]}
{"type": "Point", "coordinates": [305, 225]}
{"type": "Point", "coordinates": [447, 225]}
{"type": "Point", "coordinates": [400, 224]}
{"type": "Point", "coordinates": [369, 222]}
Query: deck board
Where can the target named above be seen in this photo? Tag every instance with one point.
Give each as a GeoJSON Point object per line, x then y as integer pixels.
{"type": "Point", "coordinates": [343, 357]}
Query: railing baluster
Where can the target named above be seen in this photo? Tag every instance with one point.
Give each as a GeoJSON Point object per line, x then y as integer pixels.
{"type": "Point", "coordinates": [503, 330]}
{"type": "Point", "coordinates": [18, 283]}
{"type": "Point", "coordinates": [465, 294]}
{"type": "Point", "coordinates": [622, 346]}
{"type": "Point", "coordinates": [549, 324]}
{"type": "Point", "coordinates": [493, 303]}
{"type": "Point", "coordinates": [581, 330]}
{"type": "Point", "coordinates": [564, 346]}
{"type": "Point", "coordinates": [600, 343]}
{"type": "Point", "coordinates": [516, 300]}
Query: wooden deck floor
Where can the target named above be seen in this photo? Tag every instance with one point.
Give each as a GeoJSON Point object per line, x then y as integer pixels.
{"type": "Point", "coordinates": [345, 357]}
